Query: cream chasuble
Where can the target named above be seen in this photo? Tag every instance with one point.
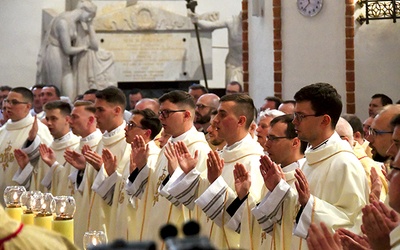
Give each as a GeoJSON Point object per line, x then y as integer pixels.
{"type": "Point", "coordinates": [276, 222]}
{"type": "Point", "coordinates": [13, 135]}
{"type": "Point", "coordinates": [338, 187]}
{"type": "Point", "coordinates": [56, 179]}
{"type": "Point", "coordinates": [157, 210]}
{"type": "Point", "coordinates": [100, 209]}
{"type": "Point", "coordinates": [214, 199]}
{"type": "Point", "coordinates": [82, 193]}
{"type": "Point", "coordinates": [368, 163]}
{"type": "Point", "coordinates": [124, 206]}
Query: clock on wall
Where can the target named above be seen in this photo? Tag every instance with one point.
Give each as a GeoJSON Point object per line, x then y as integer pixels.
{"type": "Point", "coordinates": [309, 7]}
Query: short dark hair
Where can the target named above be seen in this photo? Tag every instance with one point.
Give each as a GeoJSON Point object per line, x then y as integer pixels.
{"type": "Point", "coordinates": [355, 123]}
{"type": "Point", "coordinates": [64, 107]}
{"type": "Point", "coordinates": [150, 121]}
{"type": "Point", "coordinates": [90, 91]}
{"type": "Point", "coordinates": [178, 97]}
{"type": "Point", "coordinates": [25, 92]}
{"type": "Point", "coordinates": [244, 106]}
{"type": "Point", "coordinates": [5, 88]}
{"type": "Point", "coordinates": [324, 98]}
{"type": "Point", "coordinates": [385, 100]}
{"type": "Point", "coordinates": [113, 95]}
{"type": "Point", "coordinates": [275, 99]}
{"type": "Point", "coordinates": [395, 121]}
{"type": "Point", "coordinates": [89, 106]}
{"type": "Point", "coordinates": [195, 86]}
{"type": "Point", "coordinates": [237, 84]}
{"type": "Point", "coordinates": [290, 130]}
{"type": "Point", "coordinates": [56, 89]}
{"type": "Point", "coordinates": [135, 91]}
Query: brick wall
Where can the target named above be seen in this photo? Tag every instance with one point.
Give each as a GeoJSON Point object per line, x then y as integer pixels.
{"type": "Point", "coordinates": [350, 74]}
{"type": "Point", "coordinates": [245, 27]}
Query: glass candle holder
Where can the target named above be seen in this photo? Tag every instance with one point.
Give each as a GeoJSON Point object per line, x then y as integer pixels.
{"type": "Point", "coordinates": [26, 202]}
{"type": "Point", "coordinates": [64, 207]}
{"type": "Point", "coordinates": [94, 238]}
{"type": "Point", "coordinates": [43, 207]}
{"type": "Point", "coordinates": [12, 196]}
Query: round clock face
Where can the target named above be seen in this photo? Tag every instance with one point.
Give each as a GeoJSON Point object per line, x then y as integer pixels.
{"type": "Point", "coordinates": [309, 7]}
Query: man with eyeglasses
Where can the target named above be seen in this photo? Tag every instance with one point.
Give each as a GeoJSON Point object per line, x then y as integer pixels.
{"type": "Point", "coordinates": [345, 131]}
{"type": "Point", "coordinates": [205, 105]}
{"type": "Point", "coordinates": [263, 125]}
{"type": "Point", "coordinates": [14, 134]}
{"type": "Point", "coordinates": [214, 191]}
{"type": "Point", "coordinates": [140, 132]}
{"type": "Point", "coordinates": [380, 223]}
{"type": "Point", "coordinates": [380, 133]}
{"type": "Point", "coordinates": [177, 111]}
{"type": "Point", "coordinates": [331, 186]}
{"type": "Point", "coordinates": [394, 178]}
{"type": "Point", "coordinates": [286, 153]}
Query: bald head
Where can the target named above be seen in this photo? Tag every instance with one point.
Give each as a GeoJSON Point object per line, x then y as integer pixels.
{"type": "Point", "coordinates": [345, 131]}
{"type": "Point", "coordinates": [205, 105]}
{"type": "Point", "coordinates": [148, 103]}
{"type": "Point", "coordinates": [210, 100]}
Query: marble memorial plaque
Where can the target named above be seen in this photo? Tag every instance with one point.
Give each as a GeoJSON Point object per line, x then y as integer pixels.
{"type": "Point", "coordinates": [153, 44]}
{"type": "Point", "coordinates": [161, 56]}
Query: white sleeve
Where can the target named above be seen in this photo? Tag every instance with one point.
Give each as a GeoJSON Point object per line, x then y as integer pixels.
{"type": "Point", "coordinates": [137, 187]}
{"type": "Point", "coordinates": [23, 176]}
{"type": "Point", "coordinates": [104, 185]}
{"type": "Point", "coordinates": [183, 187]}
{"type": "Point", "coordinates": [269, 211]}
{"type": "Point", "coordinates": [215, 200]}
{"type": "Point", "coordinates": [163, 189]}
{"type": "Point", "coordinates": [33, 150]}
{"type": "Point", "coordinates": [47, 179]}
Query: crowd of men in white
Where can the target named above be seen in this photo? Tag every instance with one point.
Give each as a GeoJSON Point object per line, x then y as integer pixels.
{"type": "Point", "coordinates": [282, 180]}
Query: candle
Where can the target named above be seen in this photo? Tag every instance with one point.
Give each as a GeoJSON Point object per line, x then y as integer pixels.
{"type": "Point", "coordinates": [14, 212]}
{"type": "Point", "coordinates": [64, 209]}
{"type": "Point", "coordinates": [43, 205]}
{"type": "Point", "coordinates": [94, 238]}
{"type": "Point", "coordinates": [27, 218]}
{"type": "Point", "coordinates": [64, 227]}
{"type": "Point", "coordinates": [44, 221]}
{"type": "Point", "coordinates": [28, 201]}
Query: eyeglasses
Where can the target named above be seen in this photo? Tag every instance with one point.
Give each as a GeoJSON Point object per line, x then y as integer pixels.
{"type": "Point", "coordinates": [166, 112]}
{"type": "Point", "coordinates": [300, 117]}
{"type": "Point", "coordinates": [275, 138]}
{"type": "Point", "coordinates": [14, 102]}
{"type": "Point", "coordinates": [132, 125]}
{"type": "Point", "coordinates": [201, 106]}
{"type": "Point", "coordinates": [373, 132]}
